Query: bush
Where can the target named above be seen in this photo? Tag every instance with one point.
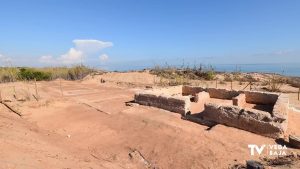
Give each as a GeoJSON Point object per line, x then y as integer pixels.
{"type": "Point", "coordinates": [209, 75]}
{"type": "Point", "coordinates": [184, 73]}
{"type": "Point", "coordinates": [11, 74]}
{"type": "Point", "coordinates": [275, 83]}
{"type": "Point", "coordinates": [228, 78]}
{"type": "Point", "coordinates": [78, 72]}
{"type": "Point", "coordinates": [30, 74]}
{"type": "Point", "coordinates": [294, 81]}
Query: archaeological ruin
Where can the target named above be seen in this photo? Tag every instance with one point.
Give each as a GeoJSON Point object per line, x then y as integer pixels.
{"type": "Point", "coordinates": [262, 113]}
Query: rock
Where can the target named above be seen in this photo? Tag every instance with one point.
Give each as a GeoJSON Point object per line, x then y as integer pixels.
{"type": "Point", "coordinates": [252, 120]}
{"type": "Point", "coordinates": [239, 100]}
{"type": "Point", "coordinates": [138, 157]}
{"type": "Point", "coordinates": [294, 141]}
{"type": "Point", "coordinates": [131, 104]}
{"type": "Point", "coordinates": [251, 164]}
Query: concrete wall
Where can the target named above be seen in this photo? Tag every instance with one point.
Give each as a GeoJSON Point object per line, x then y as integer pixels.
{"type": "Point", "coordinates": [255, 121]}
{"type": "Point", "coordinates": [178, 104]}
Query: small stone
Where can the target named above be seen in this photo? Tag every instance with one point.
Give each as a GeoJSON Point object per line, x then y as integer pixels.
{"type": "Point", "coordinates": [131, 104]}
{"type": "Point", "coordinates": [251, 164]}
{"type": "Point", "coordinates": [294, 141]}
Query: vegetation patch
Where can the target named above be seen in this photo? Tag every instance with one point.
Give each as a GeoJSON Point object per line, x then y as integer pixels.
{"type": "Point", "coordinates": [11, 74]}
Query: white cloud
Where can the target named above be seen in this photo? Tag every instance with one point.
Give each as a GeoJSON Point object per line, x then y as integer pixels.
{"type": "Point", "coordinates": [283, 52]}
{"type": "Point", "coordinates": [72, 56]}
{"type": "Point", "coordinates": [5, 60]}
{"type": "Point", "coordinates": [82, 48]}
{"type": "Point", "coordinates": [103, 57]}
{"type": "Point", "coordinates": [91, 45]}
{"type": "Point", "coordinates": [47, 59]}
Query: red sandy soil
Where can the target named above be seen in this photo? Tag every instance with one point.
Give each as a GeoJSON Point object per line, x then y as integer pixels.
{"type": "Point", "coordinates": [91, 127]}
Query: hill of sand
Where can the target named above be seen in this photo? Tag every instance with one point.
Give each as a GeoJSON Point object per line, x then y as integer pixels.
{"type": "Point", "coordinates": [86, 124]}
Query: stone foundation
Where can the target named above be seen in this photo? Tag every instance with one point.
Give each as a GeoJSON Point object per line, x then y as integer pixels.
{"type": "Point", "coordinates": [256, 121]}
{"type": "Point", "coordinates": [178, 99]}
{"type": "Point", "coordinates": [178, 104]}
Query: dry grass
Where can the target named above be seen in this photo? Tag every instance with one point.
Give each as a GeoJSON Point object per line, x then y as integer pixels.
{"type": "Point", "coordinates": [275, 82]}
{"type": "Point", "coordinates": [12, 74]}
{"type": "Point", "coordinates": [182, 76]}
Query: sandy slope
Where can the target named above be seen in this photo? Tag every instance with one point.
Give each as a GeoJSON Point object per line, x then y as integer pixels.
{"type": "Point", "coordinates": [91, 127]}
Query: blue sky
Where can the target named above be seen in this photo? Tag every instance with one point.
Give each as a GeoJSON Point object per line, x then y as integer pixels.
{"type": "Point", "coordinates": [116, 33]}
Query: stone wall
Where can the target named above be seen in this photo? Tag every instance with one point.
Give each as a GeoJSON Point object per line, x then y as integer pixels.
{"type": "Point", "coordinates": [177, 104]}
{"type": "Point", "coordinates": [239, 100]}
{"type": "Point", "coordinates": [191, 90]}
{"type": "Point", "coordinates": [255, 121]}
{"type": "Point", "coordinates": [213, 93]}
{"type": "Point", "coordinates": [281, 109]}
{"type": "Point", "coordinates": [256, 97]}
{"type": "Point", "coordinates": [222, 93]}
{"type": "Point", "coordinates": [177, 99]}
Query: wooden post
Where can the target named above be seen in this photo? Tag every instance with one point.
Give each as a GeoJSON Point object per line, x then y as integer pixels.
{"type": "Point", "coordinates": [36, 90]}
{"type": "Point", "coordinates": [0, 96]}
{"type": "Point", "coordinates": [216, 84]}
{"type": "Point", "coordinates": [299, 94]}
{"type": "Point", "coordinates": [61, 90]}
{"type": "Point", "coordinates": [15, 94]}
{"type": "Point", "coordinates": [231, 84]}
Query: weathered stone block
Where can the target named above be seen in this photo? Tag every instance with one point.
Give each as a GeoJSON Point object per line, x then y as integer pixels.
{"type": "Point", "coordinates": [255, 121]}
{"type": "Point", "coordinates": [191, 90]}
{"type": "Point", "coordinates": [257, 97]}
{"type": "Point", "coordinates": [239, 100]}
{"type": "Point", "coordinates": [222, 93]}
{"type": "Point", "coordinates": [178, 104]}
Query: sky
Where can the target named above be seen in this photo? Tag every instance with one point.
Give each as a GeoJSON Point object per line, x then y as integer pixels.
{"type": "Point", "coordinates": [114, 34]}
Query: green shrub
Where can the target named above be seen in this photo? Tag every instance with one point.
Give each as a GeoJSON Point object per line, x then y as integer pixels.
{"type": "Point", "coordinates": [31, 74]}
{"type": "Point", "coordinates": [174, 73]}
{"type": "Point", "coordinates": [210, 75]}
{"type": "Point", "coordinates": [11, 74]}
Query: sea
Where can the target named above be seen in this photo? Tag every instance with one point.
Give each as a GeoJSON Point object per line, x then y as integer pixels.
{"type": "Point", "coordinates": [287, 69]}
{"type": "Point", "coordinates": [290, 69]}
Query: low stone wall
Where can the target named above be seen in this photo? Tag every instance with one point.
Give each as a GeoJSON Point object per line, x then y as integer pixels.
{"type": "Point", "coordinates": [213, 93]}
{"type": "Point", "coordinates": [281, 109]}
{"type": "Point", "coordinates": [191, 90]}
{"type": "Point", "coordinates": [256, 97]}
{"type": "Point", "coordinates": [255, 121]}
{"type": "Point", "coordinates": [177, 104]}
{"type": "Point", "coordinates": [239, 100]}
{"type": "Point", "coordinates": [222, 93]}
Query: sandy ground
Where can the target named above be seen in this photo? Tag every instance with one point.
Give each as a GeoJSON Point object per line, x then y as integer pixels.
{"type": "Point", "coordinates": [86, 124]}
